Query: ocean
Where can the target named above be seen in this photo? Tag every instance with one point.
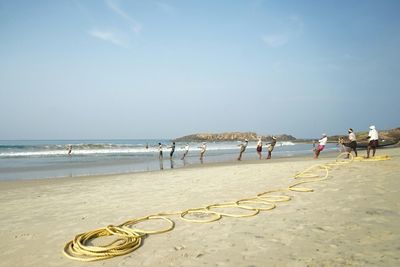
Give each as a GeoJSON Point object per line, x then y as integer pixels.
{"type": "Point", "coordinates": [33, 159]}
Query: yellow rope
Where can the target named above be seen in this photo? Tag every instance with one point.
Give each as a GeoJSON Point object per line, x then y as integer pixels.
{"type": "Point", "coordinates": [233, 205]}
{"type": "Point", "coordinates": [376, 158]}
{"type": "Point", "coordinates": [200, 211]}
{"type": "Point", "coordinates": [251, 201]}
{"type": "Point", "coordinates": [127, 238]}
{"type": "Point", "coordinates": [79, 248]}
{"type": "Point", "coordinates": [126, 225]}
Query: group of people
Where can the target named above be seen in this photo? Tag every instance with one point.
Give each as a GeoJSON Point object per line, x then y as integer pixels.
{"type": "Point", "coordinates": [259, 147]}
{"type": "Point", "coordinates": [351, 144]}
{"type": "Point", "coordinates": [348, 145]}
{"type": "Point", "coordinates": [203, 148]}
{"type": "Point", "coordinates": [270, 147]}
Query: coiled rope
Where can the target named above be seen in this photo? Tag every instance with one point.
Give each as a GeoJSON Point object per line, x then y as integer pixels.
{"type": "Point", "coordinates": [127, 238]}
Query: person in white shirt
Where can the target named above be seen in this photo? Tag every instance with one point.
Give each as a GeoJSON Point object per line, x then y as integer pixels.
{"type": "Point", "coordinates": [353, 141]}
{"type": "Point", "coordinates": [373, 140]}
{"type": "Point", "coordinates": [203, 149]}
{"type": "Point", "coordinates": [321, 145]}
{"type": "Point", "coordinates": [186, 151]}
{"type": "Point", "coordinates": [259, 147]}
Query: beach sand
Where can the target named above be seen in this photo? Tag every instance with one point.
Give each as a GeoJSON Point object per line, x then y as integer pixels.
{"type": "Point", "coordinates": [353, 218]}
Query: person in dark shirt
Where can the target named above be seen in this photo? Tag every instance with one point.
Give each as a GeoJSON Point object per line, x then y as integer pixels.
{"type": "Point", "coordinates": [172, 149]}
{"type": "Point", "coordinates": [69, 149]}
{"type": "Point", "coordinates": [160, 151]}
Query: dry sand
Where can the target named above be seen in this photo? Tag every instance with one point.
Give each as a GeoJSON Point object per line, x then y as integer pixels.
{"type": "Point", "coordinates": [351, 219]}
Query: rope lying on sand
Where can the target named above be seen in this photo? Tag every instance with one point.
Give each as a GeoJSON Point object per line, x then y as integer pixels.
{"type": "Point", "coordinates": [127, 238]}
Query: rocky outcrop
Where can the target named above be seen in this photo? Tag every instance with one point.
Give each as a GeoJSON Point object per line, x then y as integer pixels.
{"type": "Point", "coordinates": [231, 136]}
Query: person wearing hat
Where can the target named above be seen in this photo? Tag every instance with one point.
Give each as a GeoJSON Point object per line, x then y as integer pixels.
{"type": "Point", "coordinates": [353, 142]}
{"type": "Point", "coordinates": [321, 145]}
{"type": "Point", "coordinates": [271, 147]}
{"type": "Point", "coordinates": [243, 148]}
{"type": "Point", "coordinates": [373, 140]}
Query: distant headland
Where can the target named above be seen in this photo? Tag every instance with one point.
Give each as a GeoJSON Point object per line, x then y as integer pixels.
{"type": "Point", "coordinates": [231, 136]}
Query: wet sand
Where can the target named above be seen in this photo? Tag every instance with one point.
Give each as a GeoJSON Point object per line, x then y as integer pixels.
{"type": "Point", "coordinates": [352, 218]}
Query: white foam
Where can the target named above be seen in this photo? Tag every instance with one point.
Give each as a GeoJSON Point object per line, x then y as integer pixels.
{"type": "Point", "coordinates": [287, 143]}
{"type": "Point", "coordinates": [82, 150]}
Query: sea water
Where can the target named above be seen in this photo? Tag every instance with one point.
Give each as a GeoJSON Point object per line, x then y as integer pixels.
{"type": "Point", "coordinates": [50, 159]}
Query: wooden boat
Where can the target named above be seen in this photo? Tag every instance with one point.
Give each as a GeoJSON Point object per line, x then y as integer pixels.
{"type": "Point", "coordinates": [381, 143]}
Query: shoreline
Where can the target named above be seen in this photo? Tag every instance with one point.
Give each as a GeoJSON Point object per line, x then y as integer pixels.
{"type": "Point", "coordinates": [58, 167]}
{"type": "Point", "coordinates": [231, 162]}
{"type": "Point", "coordinates": [194, 166]}
{"type": "Point", "coordinates": [121, 160]}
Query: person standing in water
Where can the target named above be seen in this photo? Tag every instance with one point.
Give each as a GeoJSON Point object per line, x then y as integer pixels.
{"type": "Point", "coordinates": [186, 151]}
{"type": "Point", "coordinates": [160, 147]}
{"type": "Point", "coordinates": [203, 149]}
{"type": "Point", "coordinates": [271, 147]}
{"type": "Point", "coordinates": [172, 150]}
{"type": "Point", "coordinates": [259, 147]}
{"type": "Point", "coordinates": [243, 148]}
{"type": "Point", "coordinates": [69, 149]}
{"type": "Point", "coordinates": [372, 140]}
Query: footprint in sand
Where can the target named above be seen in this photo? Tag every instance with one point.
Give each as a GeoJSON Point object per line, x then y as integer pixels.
{"type": "Point", "coordinates": [23, 236]}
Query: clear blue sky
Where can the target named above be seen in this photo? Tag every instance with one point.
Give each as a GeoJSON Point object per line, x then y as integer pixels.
{"type": "Point", "coordinates": [162, 69]}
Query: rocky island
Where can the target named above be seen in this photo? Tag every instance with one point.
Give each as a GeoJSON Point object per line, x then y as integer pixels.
{"type": "Point", "coordinates": [231, 136]}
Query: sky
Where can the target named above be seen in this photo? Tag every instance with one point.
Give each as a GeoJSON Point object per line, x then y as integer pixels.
{"type": "Point", "coordinates": [92, 69]}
